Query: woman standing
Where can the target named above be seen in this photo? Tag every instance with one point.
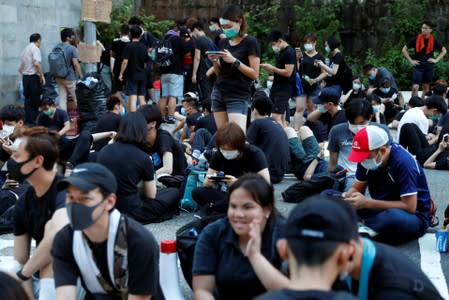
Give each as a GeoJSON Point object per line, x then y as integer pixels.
{"type": "Point", "coordinates": [337, 65]}
{"type": "Point", "coordinates": [236, 66]}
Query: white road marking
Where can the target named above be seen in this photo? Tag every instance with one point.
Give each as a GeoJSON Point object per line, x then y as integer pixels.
{"type": "Point", "coordinates": [431, 263]}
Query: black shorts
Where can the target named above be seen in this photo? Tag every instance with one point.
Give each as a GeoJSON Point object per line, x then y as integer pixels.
{"type": "Point", "coordinates": [280, 103]}
{"type": "Point", "coordinates": [423, 73]}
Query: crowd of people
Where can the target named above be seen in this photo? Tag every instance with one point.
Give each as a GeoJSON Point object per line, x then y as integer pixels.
{"type": "Point", "coordinates": [84, 198]}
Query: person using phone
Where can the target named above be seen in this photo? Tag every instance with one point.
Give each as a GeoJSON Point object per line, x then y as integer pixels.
{"type": "Point", "coordinates": [236, 69]}
{"type": "Point", "coordinates": [439, 159]}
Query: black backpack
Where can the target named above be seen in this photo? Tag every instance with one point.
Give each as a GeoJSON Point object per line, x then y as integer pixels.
{"type": "Point", "coordinates": [164, 55]}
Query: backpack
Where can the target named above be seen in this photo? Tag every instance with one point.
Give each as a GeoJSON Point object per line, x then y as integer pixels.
{"type": "Point", "coordinates": [164, 56]}
{"type": "Point", "coordinates": [58, 63]}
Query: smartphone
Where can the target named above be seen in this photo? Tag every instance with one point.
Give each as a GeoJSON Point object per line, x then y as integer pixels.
{"type": "Point", "coordinates": [446, 137]}
{"type": "Point", "coordinates": [216, 52]}
{"type": "Point", "coordinates": [218, 178]}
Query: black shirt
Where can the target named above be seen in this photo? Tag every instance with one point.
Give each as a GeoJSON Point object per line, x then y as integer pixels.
{"type": "Point", "coordinates": [330, 121]}
{"type": "Point", "coordinates": [130, 165]}
{"type": "Point", "coordinates": [282, 84]}
{"type": "Point", "coordinates": [203, 43]}
{"type": "Point", "coordinates": [270, 137]}
{"type": "Point", "coordinates": [218, 253]}
{"type": "Point", "coordinates": [252, 161]}
{"type": "Point", "coordinates": [192, 119]}
{"type": "Point", "coordinates": [422, 56]}
{"type": "Point", "coordinates": [305, 295]}
{"type": "Point", "coordinates": [137, 56]}
{"type": "Point", "coordinates": [56, 123]}
{"type": "Point", "coordinates": [143, 261]}
{"type": "Point", "coordinates": [178, 51]}
{"type": "Point", "coordinates": [337, 79]}
{"type": "Point", "coordinates": [118, 47]}
{"type": "Point", "coordinates": [207, 122]}
{"type": "Point", "coordinates": [32, 213]}
{"type": "Point", "coordinates": [231, 81]}
{"type": "Point", "coordinates": [308, 68]}
{"type": "Point", "coordinates": [166, 143]}
{"type": "Point", "coordinates": [108, 122]}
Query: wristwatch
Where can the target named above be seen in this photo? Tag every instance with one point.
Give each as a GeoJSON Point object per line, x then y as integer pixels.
{"type": "Point", "coordinates": [236, 64]}
{"type": "Point", "coordinates": [21, 276]}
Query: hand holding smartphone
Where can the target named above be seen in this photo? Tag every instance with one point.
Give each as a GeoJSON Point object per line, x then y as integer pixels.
{"type": "Point", "coordinates": [215, 52]}
{"type": "Point", "coordinates": [218, 178]}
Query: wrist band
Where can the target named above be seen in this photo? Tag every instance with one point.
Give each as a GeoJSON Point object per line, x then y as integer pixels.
{"type": "Point", "coordinates": [21, 276]}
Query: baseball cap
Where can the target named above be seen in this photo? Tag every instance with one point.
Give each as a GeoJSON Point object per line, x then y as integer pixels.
{"type": "Point", "coordinates": [327, 95]}
{"type": "Point", "coordinates": [367, 139]}
{"type": "Point", "coordinates": [321, 218]}
{"type": "Point", "coordinates": [192, 95]}
{"type": "Point", "coordinates": [88, 176]}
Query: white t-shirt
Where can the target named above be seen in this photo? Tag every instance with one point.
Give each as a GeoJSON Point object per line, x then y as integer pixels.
{"type": "Point", "coordinates": [415, 115]}
{"type": "Point", "coordinates": [29, 55]}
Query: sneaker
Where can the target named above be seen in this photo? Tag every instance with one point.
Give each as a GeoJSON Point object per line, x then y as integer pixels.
{"type": "Point", "coordinates": [170, 120]}
{"type": "Point", "coordinates": [365, 231]}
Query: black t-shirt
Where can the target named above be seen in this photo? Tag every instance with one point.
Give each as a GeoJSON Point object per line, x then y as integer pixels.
{"type": "Point", "coordinates": [270, 137]}
{"type": "Point", "coordinates": [192, 119]}
{"type": "Point", "coordinates": [207, 122]}
{"type": "Point", "coordinates": [148, 40]}
{"type": "Point", "coordinates": [178, 48]}
{"type": "Point", "coordinates": [32, 213]}
{"type": "Point", "coordinates": [330, 121]}
{"type": "Point", "coordinates": [422, 56]}
{"type": "Point", "coordinates": [337, 79]}
{"type": "Point", "coordinates": [252, 161]}
{"type": "Point", "coordinates": [130, 165]}
{"type": "Point", "coordinates": [137, 56]}
{"type": "Point", "coordinates": [305, 295]}
{"type": "Point", "coordinates": [118, 47]}
{"type": "Point", "coordinates": [231, 81]}
{"type": "Point", "coordinates": [108, 122]}
{"type": "Point", "coordinates": [166, 143]}
{"type": "Point", "coordinates": [143, 258]}
{"type": "Point", "coordinates": [282, 84]}
{"type": "Point", "coordinates": [57, 123]}
{"type": "Point", "coordinates": [389, 265]}
{"type": "Point", "coordinates": [308, 68]}
{"type": "Point", "coordinates": [203, 43]}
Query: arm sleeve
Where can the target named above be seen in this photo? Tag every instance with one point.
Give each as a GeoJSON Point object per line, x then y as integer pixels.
{"type": "Point", "coordinates": [333, 146]}
{"type": "Point", "coordinates": [65, 268]}
{"type": "Point", "coordinates": [437, 45]}
{"type": "Point", "coordinates": [259, 161]}
{"type": "Point", "coordinates": [147, 169]}
{"type": "Point", "coordinates": [290, 57]}
{"type": "Point", "coordinates": [338, 59]}
{"type": "Point", "coordinates": [126, 52]}
{"type": "Point", "coordinates": [205, 259]}
{"type": "Point", "coordinates": [361, 173]}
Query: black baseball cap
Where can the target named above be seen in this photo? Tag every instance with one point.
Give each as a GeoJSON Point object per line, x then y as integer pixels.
{"type": "Point", "coordinates": [327, 95]}
{"type": "Point", "coordinates": [88, 176]}
{"type": "Point", "coordinates": [322, 218]}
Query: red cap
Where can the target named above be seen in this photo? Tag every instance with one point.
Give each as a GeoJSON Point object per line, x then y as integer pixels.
{"type": "Point", "coordinates": [168, 246]}
{"type": "Point", "coordinates": [367, 139]}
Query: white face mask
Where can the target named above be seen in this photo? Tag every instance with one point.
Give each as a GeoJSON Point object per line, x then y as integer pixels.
{"type": "Point", "coordinates": [308, 47]}
{"type": "Point", "coordinates": [269, 84]}
{"type": "Point", "coordinates": [230, 154]}
{"type": "Point", "coordinates": [8, 129]}
{"type": "Point", "coordinates": [212, 28]}
{"type": "Point", "coordinates": [276, 49]}
{"type": "Point", "coordinates": [321, 108]}
{"type": "Point", "coordinates": [376, 108]}
{"type": "Point", "coordinates": [355, 128]}
{"type": "Point", "coordinates": [356, 86]}
{"type": "Point", "coordinates": [371, 164]}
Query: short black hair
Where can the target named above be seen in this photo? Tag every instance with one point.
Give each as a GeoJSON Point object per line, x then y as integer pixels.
{"type": "Point", "coordinates": [12, 112]}
{"type": "Point", "coordinates": [47, 101]}
{"type": "Point", "coordinates": [112, 101]}
{"type": "Point", "coordinates": [136, 32]}
{"type": "Point", "coordinates": [275, 35]}
{"type": "Point", "coordinates": [367, 68]}
{"type": "Point", "coordinates": [197, 25]}
{"type": "Point", "coordinates": [66, 33]}
{"type": "Point", "coordinates": [151, 113]}
{"type": "Point", "coordinates": [332, 42]}
{"type": "Point", "coordinates": [214, 20]}
{"type": "Point", "coordinates": [124, 29]}
{"type": "Point", "coordinates": [135, 20]}
{"type": "Point", "coordinates": [438, 103]}
{"type": "Point", "coordinates": [262, 104]}
{"type": "Point", "coordinates": [133, 130]}
{"type": "Point", "coordinates": [358, 107]}
{"type": "Point", "coordinates": [415, 101]}
{"type": "Point", "coordinates": [428, 23]}
{"type": "Point", "coordinates": [35, 37]}
{"type": "Point", "coordinates": [312, 253]}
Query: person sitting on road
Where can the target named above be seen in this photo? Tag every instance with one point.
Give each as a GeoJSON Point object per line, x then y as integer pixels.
{"type": "Point", "coordinates": [388, 96]}
{"type": "Point", "coordinates": [398, 208]}
{"type": "Point", "coordinates": [231, 252]}
{"type": "Point", "coordinates": [98, 239]}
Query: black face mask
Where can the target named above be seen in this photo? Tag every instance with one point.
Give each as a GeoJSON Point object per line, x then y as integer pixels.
{"type": "Point", "coordinates": [80, 215]}
{"type": "Point", "coordinates": [14, 170]}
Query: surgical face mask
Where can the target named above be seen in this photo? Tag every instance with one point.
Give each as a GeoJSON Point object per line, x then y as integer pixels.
{"type": "Point", "coordinates": [230, 154]}
{"type": "Point", "coordinates": [327, 49]}
{"type": "Point", "coordinates": [371, 164]}
{"type": "Point", "coordinates": [372, 76]}
{"type": "Point", "coordinates": [8, 129]}
{"type": "Point", "coordinates": [183, 111]}
{"type": "Point", "coordinates": [211, 28]}
{"type": "Point", "coordinates": [269, 84]}
{"type": "Point", "coordinates": [355, 128]}
{"type": "Point", "coordinates": [356, 86]}
{"type": "Point", "coordinates": [376, 108]}
{"type": "Point", "coordinates": [276, 48]}
{"type": "Point", "coordinates": [321, 108]}
{"type": "Point", "coordinates": [308, 47]}
{"type": "Point", "coordinates": [14, 170]}
{"type": "Point", "coordinates": [80, 215]}
{"type": "Point", "coordinates": [231, 33]}
{"type": "Point", "coordinates": [48, 112]}
{"type": "Point", "coordinates": [385, 90]}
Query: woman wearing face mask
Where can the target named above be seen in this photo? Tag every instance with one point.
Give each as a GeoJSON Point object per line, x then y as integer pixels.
{"type": "Point", "coordinates": [232, 253]}
{"type": "Point", "coordinates": [357, 91]}
{"type": "Point", "coordinates": [378, 110]}
{"type": "Point", "coordinates": [335, 70]}
{"type": "Point", "coordinates": [312, 76]}
{"type": "Point", "coordinates": [388, 96]}
{"type": "Point", "coordinates": [236, 67]}
{"type": "Point", "coordinates": [234, 158]}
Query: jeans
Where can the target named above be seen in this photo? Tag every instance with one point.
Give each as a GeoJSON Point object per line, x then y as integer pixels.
{"type": "Point", "coordinates": [203, 140]}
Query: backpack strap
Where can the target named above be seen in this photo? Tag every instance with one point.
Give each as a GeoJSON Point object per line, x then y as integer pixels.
{"type": "Point", "coordinates": [369, 253]}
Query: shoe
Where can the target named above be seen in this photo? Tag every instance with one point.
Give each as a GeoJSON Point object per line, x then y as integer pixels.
{"type": "Point", "coordinates": [365, 231]}
{"type": "Point", "coordinates": [170, 120]}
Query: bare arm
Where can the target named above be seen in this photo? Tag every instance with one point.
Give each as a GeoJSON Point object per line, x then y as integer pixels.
{"type": "Point", "coordinates": [122, 69]}
{"type": "Point", "coordinates": [66, 292]}
{"type": "Point", "coordinates": [430, 162]}
{"type": "Point", "coordinates": [149, 189]}
{"type": "Point", "coordinates": [77, 66]}
{"type": "Point", "coordinates": [287, 72]}
{"type": "Point", "coordinates": [64, 129]}
{"type": "Point", "coordinates": [102, 135]}
{"type": "Point", "coordinates": [139, 297]}
{"type": "Point", "coordinates": [408, 57]}
{"type": "Point", "coordinates": [196, 63]}
{"type": "Point", "coordinates": [167, 163]}
{"type": "Point", "coordinates": [314, 116]}
{"type": "Point", "coordinates": [251, 71]}
{"type": "Point", "coordinates": [203, 287]}
{"type": "Point", "coordinates": [333, 159]}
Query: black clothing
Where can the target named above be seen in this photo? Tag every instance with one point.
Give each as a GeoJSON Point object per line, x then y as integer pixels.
{"type": "Point", "coordinates": [118, 47]}
{"type": "Point", "coordinates": [231, 81]}
{"type": "Point", "coordinates": [192, 119]}
{"type": "Point", "coordinates": [337, 79]}
{"type": "Point", "coordinates": [422, 56]}
{"type": "Point", "coordinates": [304, 295]}
{"type": "Point", "coordinates": [308, 68]}
{"type": "Point", "coordinates": [108, 122]}
{"type": "Point", "coordinates": [330, 121]}
{"type": "Point", "coordinates": [57, 123]}
{"type": "Point", "coordinates": [208, 123]}
{"type": "Point", "coordinates": [32, 213]}
{"type": "Point", "coordinates": [32, 91]}
{"type": "Point", "coordinates": [281, 83]}
{"type": "Point", "coordinates": [178, 56]}
{"type": "Point", "coordinates": [143, 258]}
{"type": "Point", "coordinates": [270, 137]}
{"type": "Point", "coordinates": [137, 56]}
{"type": "Point", "coordinates": [166, 143]}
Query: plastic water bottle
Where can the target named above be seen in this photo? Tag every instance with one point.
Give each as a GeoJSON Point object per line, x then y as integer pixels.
{"type": "Point", "coordinates": [168, 271]}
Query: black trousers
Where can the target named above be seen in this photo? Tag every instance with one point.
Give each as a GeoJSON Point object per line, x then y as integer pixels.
{"type": "Point", "coordinates": [32, 90]}
{"type": "Point", "coordinates": [415, 142]}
